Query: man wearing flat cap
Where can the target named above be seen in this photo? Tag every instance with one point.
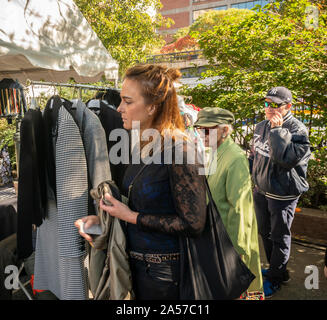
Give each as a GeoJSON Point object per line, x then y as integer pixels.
{"type": "Point", "coordinates": [230, 184]}
{"type": "Point", "coordinates": [279, 161]}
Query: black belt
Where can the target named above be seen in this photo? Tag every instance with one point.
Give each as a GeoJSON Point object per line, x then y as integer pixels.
{"type": "Point", "coordinates": [154, 258]}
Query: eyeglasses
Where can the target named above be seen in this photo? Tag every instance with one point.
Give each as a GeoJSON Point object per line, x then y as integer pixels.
{"type": "Point", "coordinates": [207, 130]}
{"type": "Point", "coordinates": [273, 105]}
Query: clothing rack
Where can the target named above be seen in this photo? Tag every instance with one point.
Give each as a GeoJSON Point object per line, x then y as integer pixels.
{"type": "Point", "coordinates": [71, 85]}
{"type": "Point", "coordinates": [51, 84]}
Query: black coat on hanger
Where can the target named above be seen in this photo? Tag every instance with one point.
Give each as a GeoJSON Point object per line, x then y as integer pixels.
{"type": "Point", "coordinates": [32, 192]}
{"type": "Point", "coordinates": [112, 96]}
{"type": "Point", "coordinates": [110, 120]}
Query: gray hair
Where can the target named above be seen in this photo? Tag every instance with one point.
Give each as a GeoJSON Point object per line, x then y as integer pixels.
{"type": "Point", "coordinates": [230, 127]}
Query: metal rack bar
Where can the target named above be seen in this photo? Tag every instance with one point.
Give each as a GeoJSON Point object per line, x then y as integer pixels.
{"type": "Point", "coordinates": [71, 85]}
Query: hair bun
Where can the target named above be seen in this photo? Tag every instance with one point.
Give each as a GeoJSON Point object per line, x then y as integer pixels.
{"type": "Point", "coordinates": [174, 74]}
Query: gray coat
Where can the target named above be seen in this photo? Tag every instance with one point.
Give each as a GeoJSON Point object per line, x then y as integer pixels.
{"type": "Point", "coordinates": [114, 281]}
{"type": "Point", "coordinates": [95, 144]}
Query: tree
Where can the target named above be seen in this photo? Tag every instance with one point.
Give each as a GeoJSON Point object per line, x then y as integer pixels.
{"type": "Point", "coordinates": [125, 27]}
{"type": "Point", "coordinates": [181, 44]}
{"type": "Point", "coordinates": [282, 44]}
{"type": "Point", "coordinates": [7, 132]}
{"type": "Point", "coordinates": [206, 22]}
{"type": "Point", "coordinates": [274, 46]}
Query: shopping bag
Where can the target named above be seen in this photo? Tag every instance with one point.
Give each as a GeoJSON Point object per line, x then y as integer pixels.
{"type": "Point", "coordinates": [214, 270]}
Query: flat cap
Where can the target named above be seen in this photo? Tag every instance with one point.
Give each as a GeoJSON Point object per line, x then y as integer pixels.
{"type": "Point", "coordinates": [211, 117]}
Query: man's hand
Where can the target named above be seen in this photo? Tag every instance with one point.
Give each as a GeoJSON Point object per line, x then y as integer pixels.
{"type": "Point", "coordinates": [276, 120]}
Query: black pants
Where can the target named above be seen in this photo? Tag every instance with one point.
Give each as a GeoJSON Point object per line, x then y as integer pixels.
{"type": "Point", "coordinates": [155, 281]}
{"type": "Point", "coordinates": [274, 219]}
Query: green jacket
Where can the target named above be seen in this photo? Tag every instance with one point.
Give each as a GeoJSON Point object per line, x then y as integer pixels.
{"type": "Point", "coordinates": [230, 185]}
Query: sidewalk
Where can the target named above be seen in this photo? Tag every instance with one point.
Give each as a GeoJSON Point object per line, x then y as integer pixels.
{"type": "Point", "coordinates": [7, 194]}
{"type": "Point", "coordinates": [302, 255]}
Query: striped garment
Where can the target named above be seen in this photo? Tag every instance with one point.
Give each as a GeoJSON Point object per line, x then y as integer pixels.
{"type": "Point", "coordinates": [60, 250]}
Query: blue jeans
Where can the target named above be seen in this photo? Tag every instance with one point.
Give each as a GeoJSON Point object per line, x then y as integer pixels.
{"type": "Point", "coordinates": [274, 219]}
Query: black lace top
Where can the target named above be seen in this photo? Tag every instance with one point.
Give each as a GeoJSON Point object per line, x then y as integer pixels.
{"type": "Point", "coordinates": [171, 201]}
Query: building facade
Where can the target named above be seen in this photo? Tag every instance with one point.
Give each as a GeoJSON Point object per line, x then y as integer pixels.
{"type": "Point", "coordinates": [185, 12]}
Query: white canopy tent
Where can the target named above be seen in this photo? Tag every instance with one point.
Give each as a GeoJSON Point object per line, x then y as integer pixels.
{"type": "Point", "coordinates": [50, 40]}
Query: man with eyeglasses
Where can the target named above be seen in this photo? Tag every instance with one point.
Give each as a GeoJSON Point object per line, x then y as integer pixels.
{"type": "Point", "coordinates": [278, 161]}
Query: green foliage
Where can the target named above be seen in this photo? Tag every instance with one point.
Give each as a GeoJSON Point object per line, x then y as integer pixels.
{"type": "Point", "coordinates": [181, 32]}
{"type": "Point", "coordinates": [316, 197]}
{"type": "Point", "coordinates": [124, 27]}
{"type": "Point", "coordinates": [254, 52]}
{"type": "Point", "coordinates": [7, 132]}
{"type": "Point", "coordinates": [212, 18]}
{"type": "Point", "coordinates": [275, 46]}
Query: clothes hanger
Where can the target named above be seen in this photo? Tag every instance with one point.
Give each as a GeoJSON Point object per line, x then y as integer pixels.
{"type": "Point", "coordinates": [34, 104]}
{"type": "Point", "coordinates": [54, 94]}
{"type": "Point", "coordinates": [94, 104]}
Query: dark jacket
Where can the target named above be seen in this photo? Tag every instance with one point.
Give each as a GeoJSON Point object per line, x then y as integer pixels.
{"type": "Point", "coordinates": [31, 202]}
{"type": "Point", "coordinates": [110, 120]}
{"type": "Point", "coordinates": [279, 159]}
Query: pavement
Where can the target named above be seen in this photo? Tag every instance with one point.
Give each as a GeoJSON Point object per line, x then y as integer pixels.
{"type": "Point", "coordinates": [305, 284]}
{"type": "Point", "coordinates": [302, 285]}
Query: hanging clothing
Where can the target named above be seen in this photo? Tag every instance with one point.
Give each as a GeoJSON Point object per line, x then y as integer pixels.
{"type": "Point", "coordinates": [230, 184]}
{"type": "Point", "coordinates": [60, 250]}
{"type": "Point", "coordinates": [12, 100]}
{"type": "Point", "coordinates": [32, 197]}
{"type": "Point", "coordinates": [83, 126]}
{"type": "Point", "coordinates": [112, 96]}
{"type": "Point", "coordinates": [110, 120]}
{"type": "Point", "coordinates": [94, 140]}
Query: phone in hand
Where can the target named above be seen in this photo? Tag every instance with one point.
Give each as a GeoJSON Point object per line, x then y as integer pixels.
{"type": "Point", "coordinates": [94, 229]}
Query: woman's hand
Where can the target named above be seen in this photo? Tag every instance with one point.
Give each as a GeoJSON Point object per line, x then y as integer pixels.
{"type": "Point", "coordinates": [119, 209]}
{"type": "Point", "coordinates": [89, 221]}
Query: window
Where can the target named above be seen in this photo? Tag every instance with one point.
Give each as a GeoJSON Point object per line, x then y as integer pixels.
{"type": "Point", "coordinates": [249, 4]}
{"type": "Point", "coordinates": [220, 8]}
{"type": "Point", "coordinates": [198, 13]}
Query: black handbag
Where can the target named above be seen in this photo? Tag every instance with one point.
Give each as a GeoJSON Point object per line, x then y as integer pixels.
{"type": "Point", "coordinates": [211, 267]}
